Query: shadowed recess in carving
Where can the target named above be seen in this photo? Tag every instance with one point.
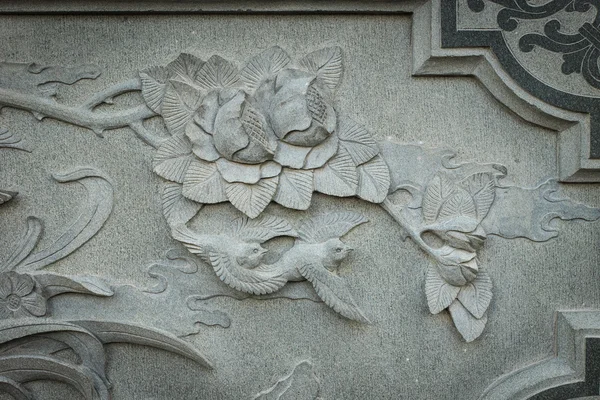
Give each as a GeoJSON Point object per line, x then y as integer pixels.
{"type": "Point", "coordinates": [300, 383]}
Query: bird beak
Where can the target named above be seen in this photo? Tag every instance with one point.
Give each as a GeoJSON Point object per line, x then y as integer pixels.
{"type": "Point", "coordinates": [348, 248]}
{"type": "Point", "coordinates": [263, 251]}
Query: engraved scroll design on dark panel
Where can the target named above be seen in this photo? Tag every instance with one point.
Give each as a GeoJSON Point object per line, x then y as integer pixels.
{"type": "Point", "coordinates": [580, 51]}
{"type": "Point", "coordinates": [270, 133]}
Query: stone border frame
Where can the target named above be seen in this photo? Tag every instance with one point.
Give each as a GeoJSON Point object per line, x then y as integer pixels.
{"type": "Point", "coordinates": [572, 370]}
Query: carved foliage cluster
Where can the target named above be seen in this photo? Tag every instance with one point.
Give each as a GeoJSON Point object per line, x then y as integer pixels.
{"type": "Point", "coordinates": [29, 344]}
{"type": "Point", "coordinates": [267, 132]}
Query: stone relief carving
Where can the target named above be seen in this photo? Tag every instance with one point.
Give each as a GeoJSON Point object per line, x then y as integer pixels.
{"type": "Point", "coordinates": [266, 133]}
{"type": "Point", "coordinates": [270, 133]}
{"type": "Point", "coordinates": [300, 383]}
{"type": "Point", "coordinates": [316, 255]}
{"type": "Point", "coordinates": [28, 342]}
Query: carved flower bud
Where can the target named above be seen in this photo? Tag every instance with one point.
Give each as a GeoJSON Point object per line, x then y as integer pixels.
{"type": "Point", "coordinates": [299, 111]}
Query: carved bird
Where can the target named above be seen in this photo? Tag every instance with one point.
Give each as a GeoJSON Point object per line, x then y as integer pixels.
{"type": "Point", "coordinates": [315, 256]}
{"type": "Point", "coordinates": [234, 256]}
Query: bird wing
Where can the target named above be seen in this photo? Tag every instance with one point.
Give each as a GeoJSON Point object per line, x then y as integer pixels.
{"type": "Point", "coordinates": [242, 279]}
{"type": "Point", "coordinates": [262, 229]}
{"type": "Point", "coordinates": [192, 241]}
{"type": "Point", "coordinates": [329, 226]}
{"type": "Point", "coordinates": [333, 291]}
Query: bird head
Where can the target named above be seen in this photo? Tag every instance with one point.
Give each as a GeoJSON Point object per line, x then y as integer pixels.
{"type": "Point", "coordinates": [336, 251]}
{"type": "Point", "coordinates": [250, 254]}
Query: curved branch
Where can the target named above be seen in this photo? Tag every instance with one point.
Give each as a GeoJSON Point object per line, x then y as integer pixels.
{"type": "Point", "coordinates": [80, 116]}
{"type": "Point", "coordinates": [415, 235]}
{"type": "Point", "coordinates": [108, 94]}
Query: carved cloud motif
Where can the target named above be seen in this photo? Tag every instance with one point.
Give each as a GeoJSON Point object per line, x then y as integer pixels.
{"type": "Point", "coordinates": [266, 133]}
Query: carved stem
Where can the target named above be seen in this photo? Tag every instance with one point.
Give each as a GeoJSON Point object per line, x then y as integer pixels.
{"type": "Point", "coordinates": [108, 94]}
{"type": "Point", "coordinates": [80, 116]}
{"type": "Point", "coordinates": [396, 213]}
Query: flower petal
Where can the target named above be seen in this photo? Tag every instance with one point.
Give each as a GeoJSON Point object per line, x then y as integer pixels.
{"type": "Point", "coordinates": [4, 311]}
{"type": "Point", "coordinates": [320, 154]}
{"type": "Point", "coordinates": [35, 304]}
{"type": "Point", "coordinates": [5, 286]}
{"type": "Point", "coordinates": [229, 135]}
{"type": "Point", "coordinates": [291, 156]}
{"type": "Point", "coordinates": [202, 142]}
{"type": "Point", "coordinates": [22, 284]}
{"type": "Point", "coordinates": [270, 169]}
{"type": "Point", "coordinates": [289, 109]}
{"type": "Point", "coordinates": [207, 112]}
{"type": "Point", "coordinates": [236, 172]}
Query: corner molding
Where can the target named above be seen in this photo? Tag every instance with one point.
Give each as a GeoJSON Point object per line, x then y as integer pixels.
{"type": "Point", "coordinates": [573, 128]}
{"type": "Point", "coordinates": [569, 372]}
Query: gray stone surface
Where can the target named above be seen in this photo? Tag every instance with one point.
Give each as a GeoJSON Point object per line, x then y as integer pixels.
{"type": "Point", "coordinates": [178, 288]}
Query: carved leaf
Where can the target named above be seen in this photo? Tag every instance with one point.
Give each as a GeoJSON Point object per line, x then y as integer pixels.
{"type": "Point", "coordinates": [218, 73]}
{"type": "Point", "coordinates": [178, 107]}
{"type": "Point", "coordinates": [333, 291]}
{"type": "Point", "coordinates": [263, 66]}
{"type": "Point", "coordinates": [203, 183]}
{"type": "Point", "coordinates": [14, 389]}
{"type": "Point", "coordinates": [186, 68]}
{"type": "Point", "coordinates": [327, 64]}
{"type": "Point", "coordinates": [374, 180]}
{"type": "Point", "coordinates": [329, 226]}
{"type": "Point", "coordinates": [295, 188]}
{"type": "Point", "coordinates": [483, 189]}
{"type": "Point", "coordinates": [85, 345]}
{"type": "Point", "coordinates": [469, 327]}
{"type": "Point", "coordinates": [477, 295]}
{"type": "Point", "coordinates": [338, 177]}
{"type": "Point", "coordinates": [263, 229]}
{"type": "Point", "coordinates": [438, 191]}
{"type": "Point", "coordinates": [115, 332]}
{"type": "Point", "coordinates": [440, 294]}
{"type": "Point", "coordinates": [357, 141]}
{"type": "Point", "coordinates": [54, 284]}
{"type": "Point", "coordinates": [154, 83]}
{"type": "Point", "coordinates": [252, 199]}
{"type": "Point", "coordinates": [6, 196]}
{"type": "Point", "coordinates": [173, 158]}
{"type": "Point", "coordinates": [24, 369]}
{"type": "Point", "coordinates": [177, 209]}
{"type": "Point", "coordinates": [245, 280]}
{"type": "Point", "coordinates": [459, 204]}
{"type": "Point", "coordinates": [25, 245]}
{"type": "Point", "coordinates": [11, 140]}
{"type": "Point", "coordinates": [92, 218]}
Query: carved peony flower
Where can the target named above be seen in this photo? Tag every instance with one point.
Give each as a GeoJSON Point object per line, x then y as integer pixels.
{"type": "Point", "coordinates": [267, 133]}
{"type": "Point", "coordinates": [298, 107]}
{"type": "Point", "coordinates": [18, 298]}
